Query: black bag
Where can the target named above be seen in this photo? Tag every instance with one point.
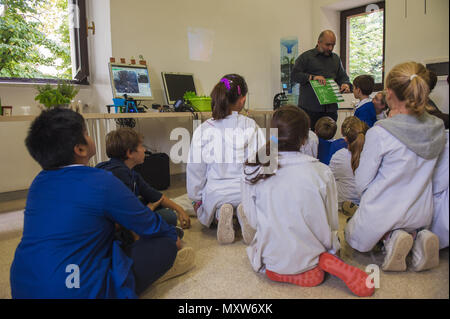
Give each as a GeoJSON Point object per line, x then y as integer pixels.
{"type": "Point", "coordinates": [155, 170]}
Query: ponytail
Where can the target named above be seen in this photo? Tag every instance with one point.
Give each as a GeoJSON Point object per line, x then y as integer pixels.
{"type": "Point", "coordinates": [355, 132]}
{"type": "Point", "coordinates": [410, 83]}
{"type": "Point", "coordinates": [226, 93]}
{"type": "Point", "coordinates": [355, 149]}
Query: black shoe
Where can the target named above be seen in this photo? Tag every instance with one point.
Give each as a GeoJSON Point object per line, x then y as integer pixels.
{"type": "Point", "coordinates": [180, 232]}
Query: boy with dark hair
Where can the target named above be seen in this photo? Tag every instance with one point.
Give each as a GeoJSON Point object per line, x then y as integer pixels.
{"type": "Point", "coordinates": [125, 150]}
{"type": "Point", "coordinates": [363, 86]}
{"type": "Point", "coordinates": [325, 129]}
{"type": "Point", "coordinates": [68, 248]}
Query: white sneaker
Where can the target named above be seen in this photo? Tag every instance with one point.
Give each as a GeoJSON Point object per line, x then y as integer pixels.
{"type": "Point", "coordinates": [397, 248]}
{"type": "Point", "coordinates": [184, 261]}
{"type": "Point", "coordinates": [225, 231]}
{"type": "Point", "coordinates": [247, 231]}
{"type": "Point", "coordinates": [425, 252]}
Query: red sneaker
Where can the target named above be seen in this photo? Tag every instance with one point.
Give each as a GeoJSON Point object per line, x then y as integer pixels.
{"type": "Point", "coordinates": [310, 278]}
{"type": "Point", "coordinates": [354, 278]}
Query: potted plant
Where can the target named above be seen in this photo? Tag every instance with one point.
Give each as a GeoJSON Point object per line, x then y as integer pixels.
{"type": "Point", "coordinates": [62, 95]}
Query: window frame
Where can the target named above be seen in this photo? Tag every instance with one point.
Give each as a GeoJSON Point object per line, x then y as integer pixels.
{"type": "Point", "coordinates": [81, 54]}
{"type": "Point", "coordinates": [343, 43]}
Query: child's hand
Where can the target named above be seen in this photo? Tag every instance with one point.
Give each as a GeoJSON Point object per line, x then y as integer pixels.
{"type": "Point", "coordinates": [197, 205]}
{"type": "Point", "coordinates": [178, 243]}
{"type": "Point", "coordinates": [185, 221]}
{"type": "Point", "coordinates": [155, 205]}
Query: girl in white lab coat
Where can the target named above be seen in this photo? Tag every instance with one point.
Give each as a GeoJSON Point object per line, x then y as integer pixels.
{"type": "Point", "coordinates": [292, 205]}
{"type": "Point", "coordinates": [440, 225]}
{"type": "Point", "coordinates": [218, 151]}
{"type": "Point", "coordinates": [345, 161]}
{"type": "Point", "coordinates": [395, 173]}
{"type": "Point", "coordinates": [311, 145]}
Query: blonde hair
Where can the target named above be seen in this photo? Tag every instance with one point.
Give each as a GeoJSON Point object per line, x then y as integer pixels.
{"type": "Point", "coordinates": [355, 131]}
{"type": "Point", "coordinates": [409, 81]}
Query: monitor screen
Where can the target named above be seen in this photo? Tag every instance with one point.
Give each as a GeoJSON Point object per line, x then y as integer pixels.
{"type": "Point", "coordinates": [133, 80]}
{"type": "Point", "coordinates": [176, 84]}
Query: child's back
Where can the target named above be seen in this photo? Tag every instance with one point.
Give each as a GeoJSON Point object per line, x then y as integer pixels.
{"type": "Point", "coordinates": [296, 214]}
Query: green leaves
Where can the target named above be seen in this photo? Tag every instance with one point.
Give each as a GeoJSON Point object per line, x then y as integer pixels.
{"type": "Point", "coordinates": [32, 36]}
{"type": "Point", "coordinates": [366, 45]}
{"type": "Point", "coordinates": [62, 94]}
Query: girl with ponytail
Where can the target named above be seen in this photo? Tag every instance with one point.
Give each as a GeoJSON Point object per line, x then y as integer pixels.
{"type": "Point", "coordinates": [218, 151]}
{"type": "Point", "coordinates": [293, 210]}
{"type": "Point", "coordinates": [345, 161]}
{"type": "Point", "coordinates": [395, 173]}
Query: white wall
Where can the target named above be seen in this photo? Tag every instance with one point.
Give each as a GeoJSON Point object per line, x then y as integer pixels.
{"type": "Point", "coordinates": [246, 39]}
{"type": "Point", "coordinates": [418, 37]}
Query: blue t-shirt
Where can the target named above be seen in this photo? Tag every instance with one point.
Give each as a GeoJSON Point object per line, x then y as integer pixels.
{"type": "Point", "coordinates": [68, 235]}
{"type": "Point", "coordinates": [328, 148]}
{"type": "Point", "coordinates": [366, 113]}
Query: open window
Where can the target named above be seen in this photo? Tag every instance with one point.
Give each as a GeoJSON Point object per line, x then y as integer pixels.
{"type": "Point", "coordinates": [362, 42]}
{"type": "Point", "coordinates": [43, 41]}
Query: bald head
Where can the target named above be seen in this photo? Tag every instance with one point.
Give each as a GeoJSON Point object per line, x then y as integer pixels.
{"type": "Point", "coordinates": [326, 42]}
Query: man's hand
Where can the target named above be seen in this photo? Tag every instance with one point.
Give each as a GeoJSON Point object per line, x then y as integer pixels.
{"type": "Point", "coordinates": [345, 88]}
{"type": "Point", "coordinates": [185, 221]}
{"type": "Point", "coordinates": [320, 79]}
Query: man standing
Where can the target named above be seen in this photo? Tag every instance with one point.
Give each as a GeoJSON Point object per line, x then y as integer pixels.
{"type": "Point", "coordinates": [318, 64]}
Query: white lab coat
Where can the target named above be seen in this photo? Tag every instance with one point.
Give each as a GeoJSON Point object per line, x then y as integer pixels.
{"type": "Point", "coordinates": [395, 187]}
{"type": "Point", "coordinates": [218, 151]}
{"type": "Point", "coordinates": [311, 145]}
{"type": "Point", "coordinates": [341, 166]}
{"type": "Point", "coordinates": [295, 214]}
{"type": "Point", "coordinates": [440, 224]}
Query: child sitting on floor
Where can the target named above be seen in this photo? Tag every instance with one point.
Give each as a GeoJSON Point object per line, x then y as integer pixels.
{"type": "Point", "coordinates": [68, 248]}
{"type": "Point", "coordinates": [362, 89]}
{"type": "Point", "coordinates": [125, 150]}
{"type": "Point", "coordinates": [395, 176]}
{"type": "Point", "coordinates": [345, 161]}
{"type": "Point", "coordinates": [218, 151]}
{"type": "Point", "coordinates": [326, 129]}
{"type": "Point", "coordinates": [294, 210]}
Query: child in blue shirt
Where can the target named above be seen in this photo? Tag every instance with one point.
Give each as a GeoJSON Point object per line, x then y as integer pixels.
{"type": "Point", "coordinates": [325, 129]}
{"type": "Point", "coordinates": [363, 86]}
{"type": "Point", "coordinates": [125, 149]}
{"type": "Point", "coordinates": [68, 248]}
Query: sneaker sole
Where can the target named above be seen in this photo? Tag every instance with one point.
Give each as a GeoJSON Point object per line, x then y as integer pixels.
{"type": "Point", "coordinates": [225, 231]}
{"type": "Point", "coordinates": [184, 261]}
{"type": "Point", "coordinates": [397, 260]}
{"type": "Point", "coordinates": [247, 232]}
{"type": "Point", "coordinates": [353, 277]}
{"type": "Point", "coordinates": [310, 278]}
{"type": "Point", "coordinates": [430, 248]}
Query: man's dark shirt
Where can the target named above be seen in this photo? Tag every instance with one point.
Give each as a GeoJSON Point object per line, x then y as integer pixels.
{"type": "Point", "coordinates": [312, 62]}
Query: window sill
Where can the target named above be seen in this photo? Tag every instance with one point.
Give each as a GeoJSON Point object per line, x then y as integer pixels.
{"type": "Point", "coordinates": [33, 82]}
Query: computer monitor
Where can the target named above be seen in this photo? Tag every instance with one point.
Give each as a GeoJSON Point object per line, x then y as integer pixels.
{"type": "Point", "coordinates": [176, 84]}
{"type": "Point", "coordinates": [130, 79]}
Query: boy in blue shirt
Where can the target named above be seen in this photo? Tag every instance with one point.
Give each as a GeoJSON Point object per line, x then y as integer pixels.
{"type": "Point", "coordinates": [363, 86]}
{"type": "Point", "coordinates": [125, 149]}
{"type": "Point", "coordinates": [68, 248]}
{"type": "Point", "coordinates": [325, 129]}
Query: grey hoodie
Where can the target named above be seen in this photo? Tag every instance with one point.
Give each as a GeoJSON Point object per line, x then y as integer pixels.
{"type": "Point", "coordinates": [424, 135]}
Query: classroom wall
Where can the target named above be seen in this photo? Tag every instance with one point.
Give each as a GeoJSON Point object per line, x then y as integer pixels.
{"type": "Point", "coordinates": [245, 39]}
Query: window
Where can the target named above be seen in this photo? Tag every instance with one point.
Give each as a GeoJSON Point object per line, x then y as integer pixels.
{"type": "Point", "coordinates": [43, 41]}
{"type": "Point", "coordinates": [362, 42]}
